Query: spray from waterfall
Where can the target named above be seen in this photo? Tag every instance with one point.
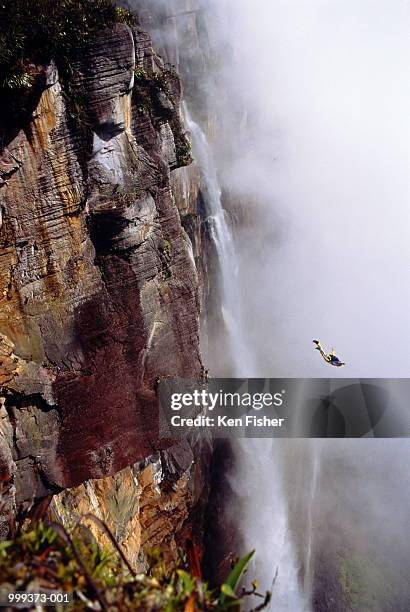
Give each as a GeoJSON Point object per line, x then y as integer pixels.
{"type": "Point", "coordinates": [321, 157]}
{"type": "Point", "coordinates": [242, 361]}
{"type": "Point", "coordinates": [308, 577]}
{"type": "Point", "coordinates": [257, 460]}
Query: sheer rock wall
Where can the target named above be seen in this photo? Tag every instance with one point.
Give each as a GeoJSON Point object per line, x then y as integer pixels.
{"type": "Point", "coordinates": [99, 293]}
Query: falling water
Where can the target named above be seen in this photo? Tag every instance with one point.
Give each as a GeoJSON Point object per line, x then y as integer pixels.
{"type": "Point", "coordinates": [256, 481]}
{"type": "Point", "coordinates": [263, 514]}
{"type": "Point", "coordinates": [308, 578]}
{"type": "Point", "coordinates": [242, 361]}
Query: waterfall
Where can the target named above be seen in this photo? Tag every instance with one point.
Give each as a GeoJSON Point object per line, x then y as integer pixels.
{"type": "Point", "coordinates": [256, 481]}
{"type": "Point", "coordinates": [308, 578]}
{"type": "Point", "coordinates": [242, 360]}
{"type": "Point", "coordinates": [264, 521]}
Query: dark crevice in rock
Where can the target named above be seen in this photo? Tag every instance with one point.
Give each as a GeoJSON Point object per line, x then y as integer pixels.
{"type": "Point", "coordinates": [17, 107]}
{"type": "Point", "coordinates": [221, 541]}
{"type": "Point", "coordinates": [16, 401]}
{"type": "Point", "coordinates": [104, 227]}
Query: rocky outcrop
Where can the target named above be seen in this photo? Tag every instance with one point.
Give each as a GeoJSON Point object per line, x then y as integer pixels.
{"type": "Point", "coordinates": [182, 32]}
{"type": "Point", "coordinates": [146, 506]}
{"type": "Point", "coordinates": [98, 284]}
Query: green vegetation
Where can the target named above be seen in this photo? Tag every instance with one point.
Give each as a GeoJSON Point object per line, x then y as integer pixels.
{"type": "Point", "coordinates": [157, 81]}
{"type": "Point", "coordinates": [363, 583]}
{"type": "Point", "coordinates": [147, 94]}
{"type": "Point", "coordinates": [188, 222]}
{"type": "Point", "coordinates": [147, 90]}
{"type": "Point", "coordinates": [167, 250]}
{"type": "Point", "coordinates": [165, 253]}
{"type": "Point", "coordinates": [126, 197]}
{"type": "Point", "coordinates": [183, 149]}
{"type": "Point", "coordinates": [35, 32]}
{"type": "Point", "coordinates": [101, 578]}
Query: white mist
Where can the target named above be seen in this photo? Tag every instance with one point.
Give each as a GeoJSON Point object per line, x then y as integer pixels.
{"type": "Point", "coordinates": [257, 460]}
{"type": "Point", "coordinates": [314, 144]}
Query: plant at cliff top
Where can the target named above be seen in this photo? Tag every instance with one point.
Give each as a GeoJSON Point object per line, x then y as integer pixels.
{"type": "Point", "coordinates": [49, 557]}
{"type": "Point", "coordinates": [36, 32]}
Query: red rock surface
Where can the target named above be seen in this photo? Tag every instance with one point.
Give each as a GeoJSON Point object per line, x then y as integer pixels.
{"type": "Point", "coordinates": [98, 285]}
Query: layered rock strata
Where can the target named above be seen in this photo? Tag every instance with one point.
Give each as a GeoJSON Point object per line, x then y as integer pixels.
{"type": "Point", "coordinates": [98, 284]}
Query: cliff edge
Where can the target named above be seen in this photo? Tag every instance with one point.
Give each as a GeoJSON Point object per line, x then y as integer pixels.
{"type": "Point", "coordinates": [99, 293]}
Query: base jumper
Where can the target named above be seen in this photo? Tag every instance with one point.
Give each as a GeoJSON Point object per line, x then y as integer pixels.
{"type": "Point", "coordinates": [329, 357]}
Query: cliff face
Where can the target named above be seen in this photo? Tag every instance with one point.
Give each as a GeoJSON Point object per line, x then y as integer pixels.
{"type": "Point", "coordinates": [156, 503]}
{"type": "Point", "coordinates": [98, 284]}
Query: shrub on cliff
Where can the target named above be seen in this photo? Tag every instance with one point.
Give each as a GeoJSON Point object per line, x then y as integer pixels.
{"type": "Point", "coordinates": [35, 31]}
{"type": "Point", "coordinates": [50, 558]}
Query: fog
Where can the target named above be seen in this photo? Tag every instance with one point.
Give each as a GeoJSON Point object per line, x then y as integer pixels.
{"type": "Point", "coordinates": [306, 114]}
{"type": "Point", "coordinates": [321, 152]}
{"type": "Point", "coordinates": [312, 97]}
